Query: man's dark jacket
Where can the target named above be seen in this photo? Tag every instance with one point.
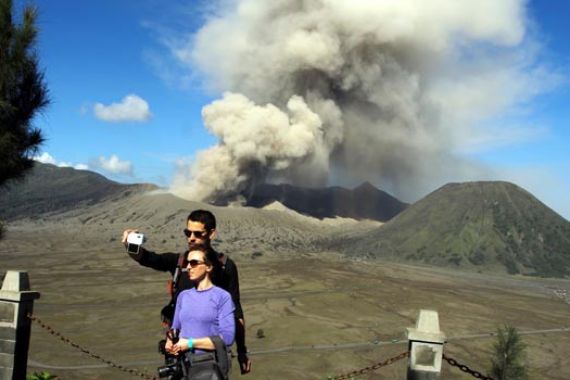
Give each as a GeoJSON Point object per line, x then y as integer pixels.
{"type": "Point", "coordinates": [225, 276]}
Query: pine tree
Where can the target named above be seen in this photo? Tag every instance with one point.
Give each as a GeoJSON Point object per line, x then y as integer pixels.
{"type": "Point", "coordinates": [22, 92]}
{"type": "Point", "coordinates": [509, 358]}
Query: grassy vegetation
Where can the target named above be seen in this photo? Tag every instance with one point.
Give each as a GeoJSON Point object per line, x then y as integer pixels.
{"type": "Point", "coordinates": [487, 226]}
{"type": "Point", "coordinates": [509, 355]}
{"type": "Point", "coordinates": [41, 376]}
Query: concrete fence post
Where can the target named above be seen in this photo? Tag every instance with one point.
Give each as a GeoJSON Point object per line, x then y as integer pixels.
{"type": "Point", "coordinates": [425, 347]}
{"type": "Point", "coordinates": [16, 301]}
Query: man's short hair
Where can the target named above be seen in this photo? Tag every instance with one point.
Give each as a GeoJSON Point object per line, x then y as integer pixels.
{"type": "Point", "coordinates": [203, 216]}
{"type": "Point", "coordinates": [210, 257]}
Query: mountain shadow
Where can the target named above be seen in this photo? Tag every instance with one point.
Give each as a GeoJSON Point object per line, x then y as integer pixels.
{"type": "Point", "coordinates": [362, 202]}
{"type": "Point", "coordinates": [483, 225]}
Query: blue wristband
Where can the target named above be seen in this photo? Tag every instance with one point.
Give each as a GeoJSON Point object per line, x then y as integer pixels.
{"type": "Point", "coordinates": [190, 344]}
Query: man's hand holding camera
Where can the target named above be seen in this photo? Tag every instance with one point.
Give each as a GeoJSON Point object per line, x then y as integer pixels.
{"type": "Point", "coordinates": [133, 240]}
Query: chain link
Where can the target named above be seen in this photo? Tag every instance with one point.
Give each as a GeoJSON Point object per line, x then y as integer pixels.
{"type": "Point", "coordinates": [464, 368]}
{"type": "Point", "coordinates": [358, 372]}
{"type": "Point", "coordinates": [348, 375]}
{"type": "Point", "coordinates": [86, 351]}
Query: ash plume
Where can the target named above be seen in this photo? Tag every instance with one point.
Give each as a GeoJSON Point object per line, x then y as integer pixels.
{"type": "Point", "coordinates": [320, 92]}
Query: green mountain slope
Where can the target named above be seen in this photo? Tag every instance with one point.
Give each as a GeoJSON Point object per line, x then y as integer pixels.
{"type": "Point", "coordinates": [483, 225]}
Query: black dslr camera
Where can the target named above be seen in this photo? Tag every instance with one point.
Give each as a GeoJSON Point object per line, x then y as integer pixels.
{"type": "Point", "coordinates": [170, 361]}
{"type": "Point", "coordinates": [175, 370]}
{"type": "Point", "coordinates": [191, 366]}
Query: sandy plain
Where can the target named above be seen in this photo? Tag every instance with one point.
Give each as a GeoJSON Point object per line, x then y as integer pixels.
{"type": "Point", "coordinates": [321, 313]}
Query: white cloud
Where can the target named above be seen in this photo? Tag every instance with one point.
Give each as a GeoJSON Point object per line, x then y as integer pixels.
{"type": "Point", "coordinates": [46, 158]}
{"type": "Point", "coordinates": [113, 165]}
{"type": "Point", "coordinates": [64, 164]}
{"type": "Point", "coordinates": [130, 108]}
{"type": "Point", "coordinates": [81, 167]}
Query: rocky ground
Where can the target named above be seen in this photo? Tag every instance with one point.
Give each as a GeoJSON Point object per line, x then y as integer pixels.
{"type": "Point", "coordinates": [309, 314]}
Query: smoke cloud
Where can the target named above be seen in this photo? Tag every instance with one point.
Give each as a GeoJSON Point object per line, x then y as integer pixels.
{"type": "Point", "coordinates": [321, 92]}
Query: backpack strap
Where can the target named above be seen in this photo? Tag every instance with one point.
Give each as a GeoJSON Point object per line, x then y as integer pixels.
{"type": "Point", "coordinates": [176, 276]}
{"type": "Point", "coordinates": [167, 312]}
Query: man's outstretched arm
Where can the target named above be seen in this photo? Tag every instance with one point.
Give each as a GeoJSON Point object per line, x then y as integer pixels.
{"type": "Point", "coordinates": [165, 262]}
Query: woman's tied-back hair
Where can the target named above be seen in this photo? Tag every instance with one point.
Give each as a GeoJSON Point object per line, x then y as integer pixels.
{"type": "Point", "coordinates": [203, 216]}
{"type": "Point", "coordinates": [208, 254]}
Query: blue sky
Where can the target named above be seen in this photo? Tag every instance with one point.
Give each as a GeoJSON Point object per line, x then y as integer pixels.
{"type": "Point", "coordinates": [98, 52]}
{"type": "Point", "coordinates": [124, 105]}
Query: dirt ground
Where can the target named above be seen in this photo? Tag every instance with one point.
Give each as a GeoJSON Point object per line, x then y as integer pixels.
{"type": "Point", "coordinates": [308, 315]}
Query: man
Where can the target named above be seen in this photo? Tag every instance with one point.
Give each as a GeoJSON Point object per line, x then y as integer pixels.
{"type": "Point", "coordinates": [200, 229]}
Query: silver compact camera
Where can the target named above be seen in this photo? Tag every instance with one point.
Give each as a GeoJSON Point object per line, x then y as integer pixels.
{"type": "Point", "coordinates": [134, 242]}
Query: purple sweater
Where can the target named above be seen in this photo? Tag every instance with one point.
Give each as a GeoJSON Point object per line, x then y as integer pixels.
{"type": "Point", "coordinates": [203, 313]}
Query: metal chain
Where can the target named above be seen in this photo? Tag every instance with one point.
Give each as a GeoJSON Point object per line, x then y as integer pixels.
{"type": "Point", "coordinates": [352, 374]}
{"type": "Point", "coordinates": [348, 375]}
{"type": "Point", "coordinates": [464, 368]}
{"type": "Point", "coordinates": [84, 350]}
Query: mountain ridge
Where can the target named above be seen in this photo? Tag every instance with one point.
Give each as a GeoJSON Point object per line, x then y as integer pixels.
{"type": "Point", "coordinates": [492, 225]}
{"type": "Point", "coordinates": [51, 189]}
{"type": "Point", "coordinates": [481, 226]}
{"type": "Point", "coordinates": [363, 202]}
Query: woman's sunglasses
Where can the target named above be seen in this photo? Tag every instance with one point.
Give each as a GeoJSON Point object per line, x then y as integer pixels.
{"type": "Point", "coordinates": [195, 263]}
{"type": "Point", "coordinates": [197, 234]}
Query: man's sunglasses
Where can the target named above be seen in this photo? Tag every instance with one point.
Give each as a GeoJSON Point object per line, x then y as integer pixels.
{"type": "Point", "coordinates": [195, 263]}
{"type": "Point", "coordinates": [197, 234]}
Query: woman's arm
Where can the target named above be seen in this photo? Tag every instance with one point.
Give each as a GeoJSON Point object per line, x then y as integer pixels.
{"type": "Point", "coordinates": [226, 319]}
{"type": "Point", "coordinates": [205, 344]}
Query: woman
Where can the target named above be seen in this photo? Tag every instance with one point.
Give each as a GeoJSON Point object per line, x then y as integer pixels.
{"type": "Point", "coordinates": [203, 311]}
